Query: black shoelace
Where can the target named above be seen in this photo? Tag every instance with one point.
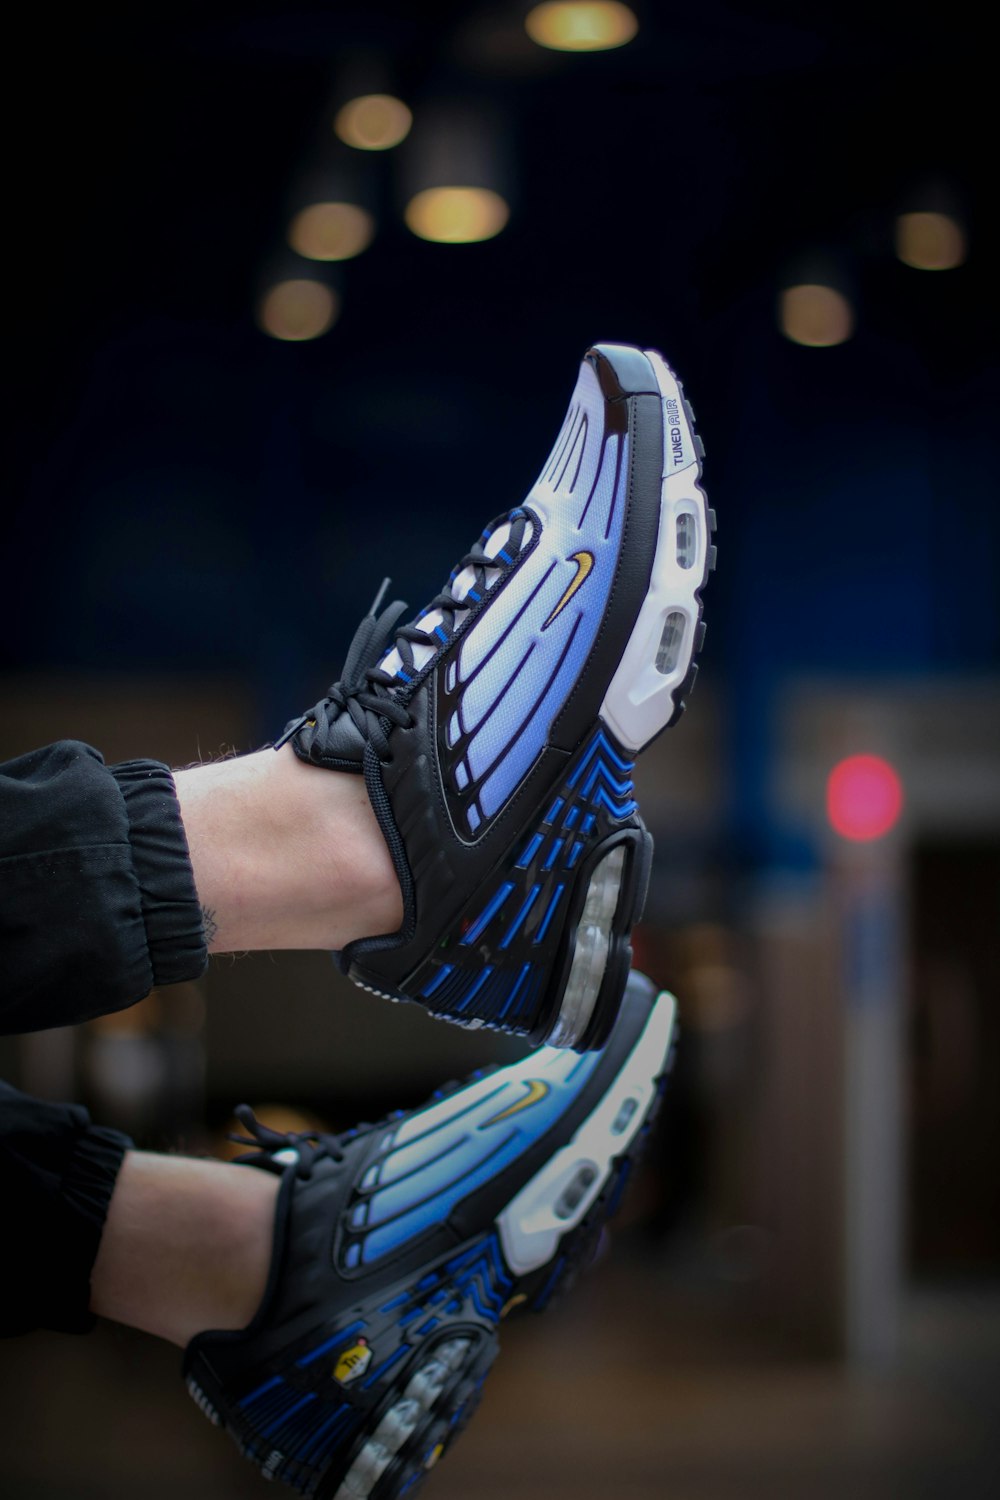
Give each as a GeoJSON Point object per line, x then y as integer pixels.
{"type": "Point", "coordinates": [309, 1145]}
{"type": "Point", "coordinates": [365, 690]}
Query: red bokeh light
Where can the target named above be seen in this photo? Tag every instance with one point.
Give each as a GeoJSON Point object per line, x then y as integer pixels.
{"type": "Point", "coordinates": [864, 797]}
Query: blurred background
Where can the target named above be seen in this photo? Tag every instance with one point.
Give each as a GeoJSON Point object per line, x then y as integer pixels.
{"type": "Point", "coordinates": [297, 294]}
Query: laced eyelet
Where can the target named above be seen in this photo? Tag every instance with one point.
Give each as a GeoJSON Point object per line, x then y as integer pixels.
{"type": "Point", "coordinates": [366, 690]}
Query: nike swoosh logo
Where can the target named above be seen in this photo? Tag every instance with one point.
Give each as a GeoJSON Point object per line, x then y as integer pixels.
{"type": "Point", "coordinates": [584, 562]}
{"type": "Point", "coordinates": [536, 1092]}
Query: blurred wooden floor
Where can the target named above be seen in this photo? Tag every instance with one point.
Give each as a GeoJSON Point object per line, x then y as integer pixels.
{"type": "Point", "coordinates": [635, 1388]}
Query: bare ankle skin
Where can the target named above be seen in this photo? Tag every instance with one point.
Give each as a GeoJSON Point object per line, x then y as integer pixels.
{"type": "Point", "coordinates": [186, 1245]}
{"type": "Point", "coordinates": [285, 855]}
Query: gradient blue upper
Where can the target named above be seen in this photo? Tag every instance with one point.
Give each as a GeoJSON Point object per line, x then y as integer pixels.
{"type": "Point", "coordinates": [519, 661]}
{"type": "Point", "coordinates": [437, 1157]}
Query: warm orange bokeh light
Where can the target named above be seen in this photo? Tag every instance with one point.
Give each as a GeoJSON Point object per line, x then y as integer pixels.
{"type": "Point", "coordinates": [815, 315]}
{"type": "Point", "coordinates": [298, 310]}
{"type": "Point", "coordinates": [373, 122]}
{"type": "Point", "coordinates": [456, 215]}
{"type": "Point", "coordinates": [581, 25]}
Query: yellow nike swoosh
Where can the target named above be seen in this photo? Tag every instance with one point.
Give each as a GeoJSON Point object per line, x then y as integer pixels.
{"type": "Point", "coordinates": [584, 562]}
{"type": "Point", "coordinates": [536, 1091]}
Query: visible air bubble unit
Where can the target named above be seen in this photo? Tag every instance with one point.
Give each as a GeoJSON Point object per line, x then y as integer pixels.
{"type": "Point", "coordinates": [687, 540]}
{"type": "Point", "coordinates": [453, 1353]}
{"type": "Point", "coordinates": [623, 1116]}
{"type": "Point", "coordinates": [400, 1422]}
{"type": "Point", "coordinates": [669, 650]}
{"type": "Point", "coordinates": [427, 1385]}
{"type": "Point", "coordinates": [591, 955]}
{"type": "Point", "coordinates": [366, 1471]}
{"type": "Point", "coordinates": [572, 1196]}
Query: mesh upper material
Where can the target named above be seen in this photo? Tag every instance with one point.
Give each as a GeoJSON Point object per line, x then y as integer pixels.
{"type": "Point", "coordinates": [521, 658]}
{"type": "Point", "coordinates": [441, 1154]}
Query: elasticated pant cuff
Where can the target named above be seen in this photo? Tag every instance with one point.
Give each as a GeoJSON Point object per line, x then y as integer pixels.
{"type": "Point", "coordinates": [87, 1188]}
{"type": "Point", "coordinates": [170, 909]}
{"type": "Point", "coordinates": [59, 1173]}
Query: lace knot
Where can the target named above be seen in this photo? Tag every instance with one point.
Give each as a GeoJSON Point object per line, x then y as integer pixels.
{"type": "Point", "coordinates": [266, 1144]}
{"type": "Point", "coordinates": [374, 697]}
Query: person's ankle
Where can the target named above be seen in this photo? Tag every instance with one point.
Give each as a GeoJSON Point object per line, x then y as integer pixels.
{"type": "Point", "coordinates": [286, 855]}
{"type": "Point", "coordinates": [186, 1246]}
{"type": "Point", "coordinates": [353, 890]}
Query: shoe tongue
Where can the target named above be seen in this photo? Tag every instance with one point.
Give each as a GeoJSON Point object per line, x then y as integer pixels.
{"type": "Point", "coordinates": [434, 619]}
{"type": "Point", "coordinates": [341, 741]}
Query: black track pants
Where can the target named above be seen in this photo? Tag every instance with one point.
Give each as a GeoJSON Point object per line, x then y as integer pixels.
{"type": "Point", "coordinates": [97, 906]}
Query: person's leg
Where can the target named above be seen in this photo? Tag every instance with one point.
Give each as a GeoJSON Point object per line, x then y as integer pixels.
{"type": "Point", "coordinates": [186, 1246]}
{"type": "Point", "coordinates": [121, 878]}
{"type": "Point", "coordinates": [497, 730]}
{"type": "Point", "coordinates": [477, 846]}
{"type": "Point", "coordinates": [176, 1245]}
{"type": "Point", "coordinates": [400, 1248]}
{"type": "Point", "coordinates": [59, 1173]}
{"type": "Point", "coordinates": [99, 902]}
{"type": "Point", "coordinates": [283, 857]}
{"type": "Point", "coordinates": [342, 1298]}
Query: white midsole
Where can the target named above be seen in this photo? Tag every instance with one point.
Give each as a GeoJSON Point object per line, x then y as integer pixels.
{"type": "Point", "coordinates": [639, 700]}
{"type": "Point", "coordinates": [530, 1229]}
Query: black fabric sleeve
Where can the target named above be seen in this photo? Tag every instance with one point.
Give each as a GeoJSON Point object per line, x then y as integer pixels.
{"type": "Point", "coordinates": [58, 1173]}
{"type": "Point", "coordinates": [97, 897]}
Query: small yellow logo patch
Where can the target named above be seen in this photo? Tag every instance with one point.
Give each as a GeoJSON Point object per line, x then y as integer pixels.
{"type": "Point", "coordinates": [537, 1090]}
{"type": "Point", "coordinates": [353, 1362]}
{"type": "Point", "coordinates": [584, 562]}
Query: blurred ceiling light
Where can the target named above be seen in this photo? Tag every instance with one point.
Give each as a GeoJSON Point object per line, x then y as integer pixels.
{"type": "Point", "coordinates": [587, 26]}
{"type": "Point", "coordinates": [298, 310]}
{"type": "Point", "coordinates": [456, 215]}
{"type": "Point", "coordinates": [864, 798]}
{"type": "Point", "coordinates": [930, 241]}
{"type": "Point", "coordinates": [455, 174]}
{"type": "Point", "coordinates": [815, 315]}
{"type": "Point", "coordinates": [373, 122]}
{"type": "Point", "coordinates": [331, 231]}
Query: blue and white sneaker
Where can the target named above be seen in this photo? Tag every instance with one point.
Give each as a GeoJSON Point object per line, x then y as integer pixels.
{"type": "Point", "coordinates": [497, 731]}
{"type": "Point", "coordinates": [400, 1247]}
